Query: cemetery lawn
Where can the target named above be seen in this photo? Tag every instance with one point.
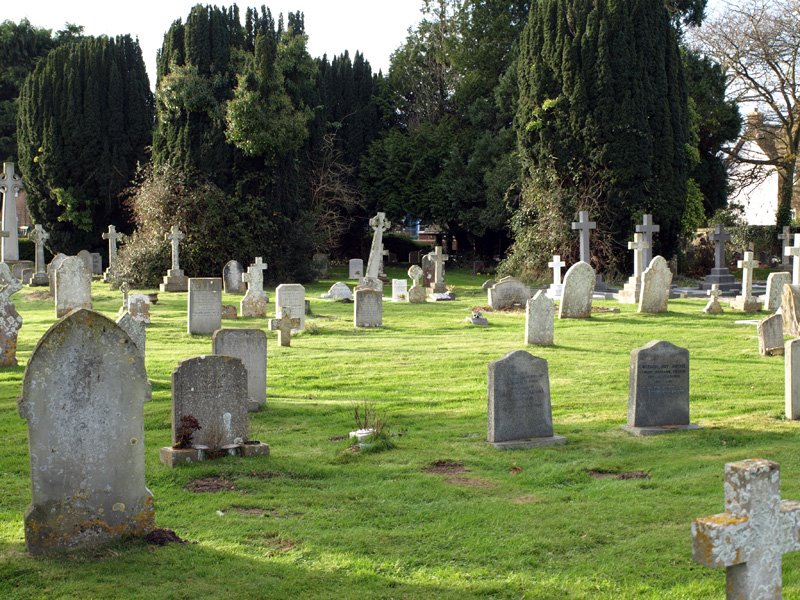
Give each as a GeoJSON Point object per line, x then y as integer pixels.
{"type": "Point", "coordinates": [442, 515]}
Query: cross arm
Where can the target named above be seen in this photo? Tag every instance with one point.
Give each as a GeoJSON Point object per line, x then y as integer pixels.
{"type": "Point", "coordinates": [721, 540]}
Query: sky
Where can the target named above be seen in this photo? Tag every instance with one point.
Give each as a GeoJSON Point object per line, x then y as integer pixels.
{"type": "Point", "coordinates": [376, 28]}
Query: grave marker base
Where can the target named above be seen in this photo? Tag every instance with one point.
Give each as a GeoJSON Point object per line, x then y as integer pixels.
{"type": "Point", "coordinates": [538, 442]}
{"type": "Point", "coordinates": [657, 430]}
{"type": "Point", "coordinates": [172, 457]}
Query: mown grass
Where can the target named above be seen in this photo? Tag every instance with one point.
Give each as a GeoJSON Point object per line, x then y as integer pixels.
{"type": "Point", "coordinates": [314, 521]}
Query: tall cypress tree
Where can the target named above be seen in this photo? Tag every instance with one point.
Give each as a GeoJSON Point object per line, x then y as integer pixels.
{"type": "Point", "coordinates": [602, 124]}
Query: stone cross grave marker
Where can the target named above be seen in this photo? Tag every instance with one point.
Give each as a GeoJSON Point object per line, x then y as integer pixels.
{"type": "Point", "coordinates": [647, 229]}
{"type": "Point", "coordinates": [632, 288]}
{"type": "Point", "coordinates": [556, 288]}
{"type": "Point", "coordinates": [439, 258]}
{"type": "Point", "coordinates": [519, 414]}
{"type": "Point", "coordinates": [720, 273]}
{"type": "Point", "coordinates": [73, 286]}
{"type": "Point", "coordinates": [658, 393]}
{"type": "Point", "coordinates": [292, 296]}
{"type": "Point", "coordinates": [175, 236]}
{"type": "Point", "coordinates": [83, 397]}
{"type": "Point", "coordinates": [539, 326]}
{"type": "Point", "coordinates": [746, 301]}
{"type": "Point", "coordinates": [10, 319]}
{"type": "Point", "coordinates": [254, 303]}
{"type": "Point", "coordinates": [204, 308]}
{"type": "Point", "coordinates": [794, 252]}
{"type": "Point", "coordinates": [39, 237]}
{"type": "Point", "coordinates": [379, 224]}
{"type": "Point", "coordinates": [175, 280]}
{"type": "Point", "coordinates": [368, 308]}
{"type": "Point", "coordinates": [417, 294]}
{"type": "Point", "coordinates": [284, 328]}
{"type": "Point", "coordinates": [10, 185]}
{"type": "Point", "coordinates": [750, 538]}
{"type": "Point", "coordinates": [232, 278]}
{"type": "Point", "coordinates": [719, 237]}
{"type": "Point", "coordinates": [249, 346]}
{"type": "Point", "coordinates": [576, 301]}
{"type": "Point", "coordinates": [584, 226]}
{"type": "Point", "coordinates": [785, 238]}
{"type": "Point", "coordinates": [113, 237]}
{"type": "Point", "coordinates": [713, 307]}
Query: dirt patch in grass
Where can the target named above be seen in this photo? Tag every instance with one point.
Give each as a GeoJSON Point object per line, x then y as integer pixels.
{"type": "Point", "coordinates": [606, 474]}
{"type": "Point", "coordinates": [279, 544]}
{"type": "Point", "coordinates": [604, 309]}
{"type": "Point", "coordinates": [38, 295]}
{"type": "Point", "coordinates": [337, 438]}
{"type": "Point", "coordinates": [529, 499]}
{"type": "Point", "coordinates": [162, 537]}
{"type": "Point", "coordinates": [469, 482]}
{"type": "Point", "coordinates": [515, 470]}
{"type": "Point", "coordinates": [209, 484]}
{"type": "Point", "coordinates": [445, 467]}
{"type": "Point", "coordinates": [255, 512]}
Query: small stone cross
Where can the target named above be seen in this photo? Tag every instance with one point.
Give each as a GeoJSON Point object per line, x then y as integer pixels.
{"type": "Point", "coordinates": [254, 278]}
{"type": "Point", "coordinates": [747, 265]}
{"type": "Point", "coordinates": [9, 284]}
{"type": "Point", "coordinates": [438, 257]}
{"type": "Point", "coordinates": [754, 533]}
{"type": "Point", "coordinates": [556, 264]}
{"type": "Point", "coordinates": [584, 225]}
{"type": "Point", "coordinates": [719, 237]}
{"type": "Point", "coordinates": [113, 237]}
{"type": "Point", "coordinates": [648, 228]}
{"type": "Point", "coordinates": [175, 236]}
{"type": "Point", "coordinates": [714, 292]}
{"type": "Point", "coordinates": [125, 288]}
{"type": "Point", "coordinates": [785, 238]}
{"type": "Point", "coordinates": [639, 245]}
{"type": "Point", "coordinates": [39, 237]}
{"type": "Point", "coordinates": [284, 328]}
{"type": "Point", "coordinates": [416, 273]}
{"type": "Point", "coordinates": [794, 252]}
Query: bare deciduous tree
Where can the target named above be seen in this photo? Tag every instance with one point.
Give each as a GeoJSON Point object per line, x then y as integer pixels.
{"type": "Point", "coordinates": [758, 44]}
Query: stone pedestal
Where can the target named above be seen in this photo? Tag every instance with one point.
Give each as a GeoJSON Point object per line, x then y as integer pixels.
{"type": "Point", "coordinates": [175, 281]}
{"type": "Point", "coordinates": [746, 303]}
{"type": "Point", "coordinates": [39, 279]}
{"type": "Point", "coordinates": [721, 277]}
{"type": "Point", "coordinates": [629, 294]}
{"type": "Point", "coordinates": [172, 457]}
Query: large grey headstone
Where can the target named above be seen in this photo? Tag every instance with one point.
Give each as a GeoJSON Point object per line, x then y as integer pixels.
{"type": "Point", "coordinates": [292, 297]}
{"type": "Point", "coordinates": [73, 286]}
{"type": "Point", "coordinates": [508, 292]}
{"type": "Point", "coordinates": [770, 336]}
{"type": "Point", "coordinates": [576, 298]}
{"type": "Point", "coordinates": [204, 305]}
{"type": "Point", "coordinates": [368, 308]}
{"type": "Point", "coordinates": [82, 395]}
{"type": "Point", "coordinates": [656, 281]}
{"type": "Point", "coordinates": [213, 390]}
{"type": "Point", "coordinates": [232, 278]}
{"type": "Point", "coordinates": [86, 257]}
{"type": "Point", "coordinates": [519, 412]}
{"type": "Point", "coordinates": [250, 346]}
{"type": "Point", "coordinates": [775, 283]}
{"type": "Point", "coordinates": [658, 393]}
{"type": "Point", "coordinates": [97, 263]}
{"type": "Point", "coordinates": [539, 326]}
{"type": "Point", "coordinates": [355, 268]}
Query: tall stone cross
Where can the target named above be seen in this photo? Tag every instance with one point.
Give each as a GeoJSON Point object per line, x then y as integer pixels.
{"type": "Point", "coordinates": [39, 237]}
{"type": "Point", "coordinates": [750, 538]}
{"type": "Point", "coordinates": [719, 237]}
{"type": "Point", "coordinates": [794, 252]}
{"type": "Point", "coordinates": [747, 265]}
{"type": "Point", "coordinates": [113, 237]}
{"type": "Point", "coordinates": [648, 228]}
{"type": "Point", "coordinates": [10, 185]}
{"type": "Point", "coordinates": [439, 258]}
{"type": "Point", "coordinates": [584, 225]}
{"type": "Point", "coordinates": [556, 264]}
{"type": "Point", "coordinates": [175, 236]}
{"type": "Point", "coordinates": [785, 239]}
{"type": "Point", "coordinates": [254, 278]}
{"type": "Point", "coordinates": [639, 245]}
{"type": "Point", "coordinates": [379, 224]}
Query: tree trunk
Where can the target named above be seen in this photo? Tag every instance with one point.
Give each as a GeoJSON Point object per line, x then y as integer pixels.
{"type": "Point", "coordinates": [785, 194]}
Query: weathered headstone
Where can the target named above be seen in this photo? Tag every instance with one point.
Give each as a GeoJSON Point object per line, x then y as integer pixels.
{"type": "Point", "coordinates": [792, 379]}
{"type": "Point", "coordinates": [73, 286]}
{"type": "Point", "coordinates": [630, 291]}
{"type": "Point", "coordinates": [368, 308]}
{"type": "Point", "coordinates": [539, 327]}
{"type": "Point", "coordinates": [770, 336]}
{"type": "Point", "coordinates": [138, 305]}
{"type": "Point", "coordinates": [250, 346]}
{"type": "Point", "coordinates": [229, 312]}
{"type": "Point", "coordinates": [658, 393]}
{"type": "Point", "coordinates": [775, 283]}
{"type": "Point", "coordinates": [39, 237]}
{"type": "Point", "coordinates": [720, 273]}
{"type": "Point", "coordinates": [82, 395]}
{"type": "Point", "coordinates": [417, 294]}
{"type": "Point", "coordinates": [232, 278]}
{"type": "Point", "coordinates": [399, 290]}
{"type": "Point", "coordinates": [790, 309]}
{"type": "Point", "coordinates": [519, 411]}
{"type": "Point", "coordinates": [713, 307]}
{"type": "Point", "coordinates": [10, 319]}
{"type": "Point", "coordinates": [113, 237]}
{"type": "Point", "coordinates": [17, 267]}
{"type": "Point", "coordinates": [556, 288]}
{"type": "Point", "coordinates": [439, 258]}
{"type": "Point", "coordinates": [10, 186]}
{"type": "Point", "coordinates": [175, 280]}
{"type": "Point", "coordinates": [284, 328]}
{"type": "Point", "coordinates": [746, 301]}
{"type": "Point", "coordinates": [428, 269]}
{"type": "Point", "coordinates": [52, 267]}
{"type": "Point", "coordinates": [355, 268]}
{"type": "Point", "coordinates": [254, 303]}
{"type": "Point", "coordinates": [292, 296]}
{"type": "Point", "coordinates": [656, 281]}
{"type": "Point", "coordinates": [379, 224]}
{"type": "Point", "coordinates": [27, 276]}
{"type": "Point", "coordinates": [97, 263]}
{"type": "Point", "coordinates": [204, 314]}
{"type": "Point", "coordinates": [86, 257]}
{"type": "Point", "coordinates": [576, 300]}
{"type": "Point", "coordinates": [321, 263]}
{"type": "Point", "coordinates": [137, 330]}
{"type": "Point", "coordinates": [750, 538]}
{"type": "Point", "coordinates": [339, 291]}
{"type": "Point", "coordinates": [508, 292]}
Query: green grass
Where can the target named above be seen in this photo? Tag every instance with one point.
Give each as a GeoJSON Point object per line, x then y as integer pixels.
{"type": "Point", "coordinates": [522, 524]}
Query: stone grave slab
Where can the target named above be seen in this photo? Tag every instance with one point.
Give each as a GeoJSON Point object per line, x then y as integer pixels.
{"type": "Point", "coordinates": [770, 336]}
{"type": "Point", "coordinates": [339, 291]}
{"type": "Point", "coordinates": [656, 281]}
{"type": "Point", "coordinates": [73, 286]}
{"type": "Point", "coordinates": [292, 297]}
{"type": "Point", "coordinates": [539, 326]}
{"type": "Point", "coordinates": [232, 278]}
{"type": "Point", "coordinates": [792, 379]}
{"type": "Point", "coordinates": [368, 308]}
{"type": "Point", "coordinates": [775, 283]}
{"type": "Point", "coordinates": [10, 319]}
{"type": "Point", "coordinates": [355, 269]}
{"type": "Point", "coordinates": [576, 299]}
{"type": "Point", "coordinates": [204, 305]}
{"type": "Point", "coordinates": [249, 346]}
{"type": "Point", "coordinates": [508, 292]}
{"type": "Point", "coordinates": [399, 290]}
{"type": "Point", "coordinates": [790, 310]}
{"type": "Point", "coordinates": [52, 267]}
